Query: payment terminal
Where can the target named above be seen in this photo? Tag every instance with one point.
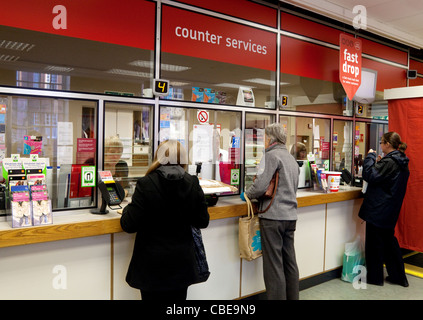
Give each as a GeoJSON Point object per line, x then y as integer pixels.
{"type": "Point", "coordinates": [112, 195]}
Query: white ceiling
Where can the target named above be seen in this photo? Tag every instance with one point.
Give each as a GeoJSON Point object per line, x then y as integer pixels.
{"type": "Point", "coordinates": [399, 20]}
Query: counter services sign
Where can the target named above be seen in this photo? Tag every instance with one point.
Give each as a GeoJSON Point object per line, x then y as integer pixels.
{"type": "Point", "coordinates": [350, 64]}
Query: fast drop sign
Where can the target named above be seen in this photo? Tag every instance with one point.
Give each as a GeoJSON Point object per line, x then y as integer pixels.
{"type": "Point", "coordinates": [350, 64]}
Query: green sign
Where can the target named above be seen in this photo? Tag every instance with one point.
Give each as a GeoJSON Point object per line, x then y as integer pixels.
{"type": "Point", "coordinates": [88, 178]}
{"type": "Point", "coordinates": [235, 177]}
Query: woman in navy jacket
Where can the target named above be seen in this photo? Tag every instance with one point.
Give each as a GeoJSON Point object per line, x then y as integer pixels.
{"type": "Point", "coordinates": [387, 183]}
{"type": "Point", "coordinates": [165, 204]}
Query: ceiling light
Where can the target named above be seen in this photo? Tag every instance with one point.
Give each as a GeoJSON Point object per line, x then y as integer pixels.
{"type": "Point", "coordinates": [261, 81]}
{"type": "Point", "coordinates": [13, 45]}
{"type": "Point", "coordinates": [229, 85]}
{"type": "Point", "coordinates": [179, 84]}
{"type": "Point", "coordinates": [163, 66]}
{"type": "Point", "coordinates": [58, 69]}
{"type": "Point", "coordinates": [8, 58]}
{"type": "Point", "coordinates": [130, 73]}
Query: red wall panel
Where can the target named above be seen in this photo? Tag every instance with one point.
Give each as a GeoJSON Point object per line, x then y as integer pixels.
{"type": "Point", "coordinates": [415, 82]}
{"type": "Point", "coordinates": [416, 65]}
{"type": "Point", "coordinates": [309, 28]}
{"type": "Point", "coordinates": [309, 60]}
{"type": "Point", "coordinates": [387, 53]}
{"type": "Point", "coordinates": [388, 76]}
{"type": "Point", "coordinates": [327, 34]}
{"type": "Point", "coordinates": [244, 9]}
{"type": "Point", "coordinates": [314, 61]}
{"type": "Point", "coordinates": [129, 23]}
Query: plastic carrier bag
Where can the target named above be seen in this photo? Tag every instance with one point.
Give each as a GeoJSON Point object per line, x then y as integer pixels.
{"type": "Point", "coordinates": [353, 257]}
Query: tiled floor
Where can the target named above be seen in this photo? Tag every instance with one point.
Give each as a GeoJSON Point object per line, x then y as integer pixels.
{"type": "Point", "coordinates": [337, 289]}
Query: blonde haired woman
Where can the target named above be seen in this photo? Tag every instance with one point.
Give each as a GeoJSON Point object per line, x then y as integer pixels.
{"type": "Point", "coordinates": [113, 149]}
{"type": "Point", "coordinates": [165, 204]}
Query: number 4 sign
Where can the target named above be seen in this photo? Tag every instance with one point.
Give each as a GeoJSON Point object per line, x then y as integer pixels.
{"type": "Point", "coordinates": [161, 87]}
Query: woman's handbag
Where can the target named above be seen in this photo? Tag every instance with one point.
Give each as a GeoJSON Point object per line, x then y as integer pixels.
{"type": "Point", "coordinates": [249, 234]}
{"type": "Point", "coordinates": [271, 191]}
{"type": "Point", "coordinates": [202, 267]}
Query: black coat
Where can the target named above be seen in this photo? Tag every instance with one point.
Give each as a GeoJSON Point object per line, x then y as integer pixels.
{"type": "Point", "coordinates": [387, 184]}
{"type": "Point", "coordinates": [162, 211]}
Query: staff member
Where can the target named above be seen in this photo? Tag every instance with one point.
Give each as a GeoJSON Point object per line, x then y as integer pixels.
{"type": "Point", "coordinates": [387, 179]}
{"type": "Point", "coordinates": [278, 223]}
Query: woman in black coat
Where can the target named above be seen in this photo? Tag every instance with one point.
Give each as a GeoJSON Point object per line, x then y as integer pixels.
{"type": "Point", "coordinates": [387, 183]}
{"type": "Point", "coordinates": [165, 204]}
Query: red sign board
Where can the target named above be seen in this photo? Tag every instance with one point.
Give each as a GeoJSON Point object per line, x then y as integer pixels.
{"type": "Point", "coordinates": [128, 23]}
{"type": "Point", "coordinates": [350, 64]}
{"type": "Point", "coordinates": [196, 35]}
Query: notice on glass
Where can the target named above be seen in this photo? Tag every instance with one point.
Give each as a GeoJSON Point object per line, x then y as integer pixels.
{"type": "Point", "coordinates": [64, 133]}
{"type": "Point", "coordinates": [202, 143]}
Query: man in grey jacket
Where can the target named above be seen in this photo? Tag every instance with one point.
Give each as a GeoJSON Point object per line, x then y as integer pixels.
{"type": "Point", "coordinates": [278, 223]}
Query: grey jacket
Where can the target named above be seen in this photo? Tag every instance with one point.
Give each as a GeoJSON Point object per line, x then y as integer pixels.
{"type": "Point", "coordinates": [284, 206]}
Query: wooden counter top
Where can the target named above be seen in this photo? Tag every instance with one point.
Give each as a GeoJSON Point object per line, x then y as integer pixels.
{"type": "Point", "coordinates": [81, 223]}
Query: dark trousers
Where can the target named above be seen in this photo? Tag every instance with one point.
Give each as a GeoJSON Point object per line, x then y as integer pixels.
{"type": "Point", "coordinates": [280, 270]}
{"type": "Point", "coordinates": [162, 295]}
{"type": "Point", "coordinates": [382, 247]}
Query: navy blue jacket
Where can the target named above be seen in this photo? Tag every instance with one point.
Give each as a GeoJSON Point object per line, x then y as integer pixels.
{"type": "Point", "coordinates": [387, 183]}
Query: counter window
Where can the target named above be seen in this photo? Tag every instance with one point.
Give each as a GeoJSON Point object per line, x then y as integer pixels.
{"type": "Point", "coordinates": [367, 136]}
{"type": "Point", "coordinates": [57, 136]}
{"type": "Point", "coordinates": [128, 141]}
{"type": "Point", "coordinates": [254, 143]}
{"type": "Point", "coordinates": [308, 140]}
{"type": "Point", "coordinates": [211, 138]}
{"type": "Point", "coordinates": [342, 137]}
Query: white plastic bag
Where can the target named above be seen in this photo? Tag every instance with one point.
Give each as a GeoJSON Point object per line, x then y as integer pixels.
{"type": "Point", "coordinates": [353, 256]}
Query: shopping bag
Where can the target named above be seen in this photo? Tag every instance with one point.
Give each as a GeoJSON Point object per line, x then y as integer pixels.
{"type": "Point", "coordinates": [249, 234]}
{"type": "Point", "coordinates": [353, 257]}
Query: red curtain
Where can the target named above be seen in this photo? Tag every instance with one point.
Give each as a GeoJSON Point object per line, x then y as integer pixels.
{"type": "Point", "coordinates": [406, 118]}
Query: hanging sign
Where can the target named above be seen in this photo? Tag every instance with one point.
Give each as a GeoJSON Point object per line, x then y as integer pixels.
{"type": "Point", "coordinates": [350, 64]}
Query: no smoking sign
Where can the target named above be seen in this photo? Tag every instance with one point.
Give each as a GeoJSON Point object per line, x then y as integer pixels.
{"type": "Point", "coordinates": [203, 116]}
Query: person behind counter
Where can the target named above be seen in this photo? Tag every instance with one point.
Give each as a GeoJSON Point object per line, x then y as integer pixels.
{"type": "Point", "coordinates": [299, 151]}
{"type": "Point", "coordinates": [164, 206]}
{"type": "Point", "coordinates": [113, 149]}
{"type": "Point", "coordinates": [387, 179]}
{"type": "Point", "coordinates": [278, 224]}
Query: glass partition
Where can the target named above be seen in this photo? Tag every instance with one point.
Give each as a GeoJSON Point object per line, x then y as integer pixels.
{"type": "Point", "coordinates": [57, 136]}
{"type": "Point", "coordinates": [128, 142]}
{"type": "Point", "coordinates": [367, 136]}
{"type": "Point", "coordinates": [308, 140]}
{"type": "Point", "coordinates": [212, 139]}
{"type": "Point", "coordinates": [342, 145]}
{"type": "Point", "coordinates": [254, 143]}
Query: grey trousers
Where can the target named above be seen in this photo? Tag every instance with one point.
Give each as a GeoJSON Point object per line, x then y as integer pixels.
{"type": "Point", "coordinates": [280, 270]}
